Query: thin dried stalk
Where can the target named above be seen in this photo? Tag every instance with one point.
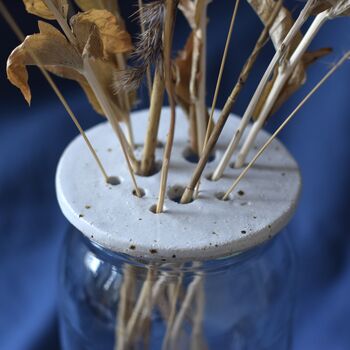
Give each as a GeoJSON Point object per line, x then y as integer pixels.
{"type": "Point", "coordinates": [108, 110]}
{"type": "Point", "coordinates": [145, 293]}
{"type": "Point", "coordinates": [126, 104]}
{"type": "Point", "coordinates": [148, 156]}
{"type": "Point", "coordinates": [185, 306]}
{"type": "Point", "coordinates": [221, 71]}
{"type": "Point", "coordinates": [171, 6]}
{"type": "Point", "coordinates": [218, 84]}
{"type": "Point", "coordinates": [172, 315]}
{"type": "Point", "coordinates": [304, 15]}
{"type": "Point", "coordinates": [122, 316]}
{"type": "Point", "coordinates": [148, 72]}
{"type": "Point", "coordinates": [282, 78]}
{"type": "Point", "coordinates": [283, 125]}
{"type": "Point", "coordinates": [13, 25]}
{"type": "Point", "coordinates": [193, 128]}
{"type": "Point", "coordinates": [188, 194]}
{"type": "Point", "coordinates": [197, 338]}
{"type": "Point", "coordinates": [198, 86]}
{"type": "Point", "coordinates": [61, 21]}
{"type": "Point", "coordinates": [158, 288]}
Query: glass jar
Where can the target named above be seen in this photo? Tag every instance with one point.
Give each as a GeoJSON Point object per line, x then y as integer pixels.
{"type": "Point", "coordinates": [112, 301]}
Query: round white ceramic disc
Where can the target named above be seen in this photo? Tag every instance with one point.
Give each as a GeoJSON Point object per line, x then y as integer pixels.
{"type": "Point", "coordinates": [205, 229]}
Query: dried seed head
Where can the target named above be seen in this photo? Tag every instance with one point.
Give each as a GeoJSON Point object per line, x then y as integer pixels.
{"type": "Point", "coordinates": [128, 80]}
{"type": "Point", "coordinates": [148, 47]}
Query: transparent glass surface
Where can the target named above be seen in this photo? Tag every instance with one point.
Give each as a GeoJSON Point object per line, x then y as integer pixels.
{"type": "Point", "coordinates": [111, 301]}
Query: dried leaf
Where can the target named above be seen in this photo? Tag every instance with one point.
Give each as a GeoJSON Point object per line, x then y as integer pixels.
{"type": "Point", "coordinates": [188, 9]}
{"type": "Point", "coordinates": [109, 5]}
{"type": "Point", "coordinates": [188, 75]}
{"type": "Point", "coordinates": [72, 74]}
{"type": "Point", "coordinates": [338, 8]}
{"type": "Point", "coordinates": [183, 64]}
{"type": "Point", "coordinates": [38, 8]}
{"type": "Point", "coordinates": [50, 47]}
{"type": "Point", "coordinates": [320, 7]}
{"type": "Point", "coordinates": [282, 25]}
{"type": "Point", "coordinates": [114, 38]}
{"type": "Point", "coordinates": [58, 56]}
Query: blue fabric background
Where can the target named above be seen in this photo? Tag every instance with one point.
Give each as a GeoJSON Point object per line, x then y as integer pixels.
{"type": "Point", "coordinates": [32, 227]}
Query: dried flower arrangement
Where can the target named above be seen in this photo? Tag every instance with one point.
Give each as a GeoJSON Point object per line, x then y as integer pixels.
{"type": "Point", "coordinates": [94, 49]}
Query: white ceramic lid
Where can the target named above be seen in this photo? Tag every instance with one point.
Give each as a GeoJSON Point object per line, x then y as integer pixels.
{"type": "Point", "coordinates": [205, 229]}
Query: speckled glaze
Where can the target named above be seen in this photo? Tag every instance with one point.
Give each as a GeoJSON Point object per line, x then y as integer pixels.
{"type": "Point", "coordinates": [207, 228]}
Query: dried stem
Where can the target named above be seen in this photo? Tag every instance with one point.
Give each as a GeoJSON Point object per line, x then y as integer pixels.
{"type": "Point", "coordinates": [13, 25]}
{"type": "Point", "coordinates": [171, 6]}
{"type": "Point", "coordinates": [193, 128]}
{"type": "Point", "coordinates": [218, 83]}
{"type": "Point", "coordinates": [187, 196]}
{"type": "Point", "coordinates": [287, 120]}
{"type": "Point", "coordinates": [148, 156]}
{"type": "Point", "coordinates": [146, 292]}
{"type": "Point", "coordinates": [221, 71]}
{"type": "Point", "coordinates": [156, 291]}
{"type": "Point", "coordinates": [255, 99]}
{"type": "Point", "coordinates": [61, 21]}
{"type": "Point", "coordinates": [108, 110]}
{"type": "Point", "coordinates": [148, 72]}
{"type": "Point", "coordinates": [185, 306]}
{"type": "Point", "coordinates": [284, 74]}
{"type": "Point", "coordinates": [172, 315]}
{"type": "Point", "coordinates": [197, 338]}
{"type": "Point", "coordinates": [198, 84]}
{"type": "Point", "coordinates": [126, 103]}
{"type": "Point", "coordinates": [122, 316]}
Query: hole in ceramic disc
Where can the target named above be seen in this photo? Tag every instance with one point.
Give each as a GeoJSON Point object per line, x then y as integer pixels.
{"type": "Point", "coordinates": [232, 165]}
{"type": "Point", "coordinates": [141, 193]}
{"type": "Point", "coordinates": [160, 144]}
{"type": "Point", "coordinates": [175, 193]}
{"type": "Point", "coordinates": [209, 177]}
{"type": "Point", "coordinates": [113, 180]}
{"type": "Point", "coordinates": [153, 209]}
{"type": "Point", "coordinates": [157, 166]}
{"type": "Point", "coordinates": [192, 157]}
{"type": "Point", "coordinates": [220, 196]}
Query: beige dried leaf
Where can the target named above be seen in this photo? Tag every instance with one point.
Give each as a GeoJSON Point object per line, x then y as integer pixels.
{"type": "Point", "coordinates": [98, 36]}
{"type": "Point", "coordinates": [283, 22]}
{"type": "Point", "coordinates": [183, 64]}
{"type": "Point", "coordinates": [113, 37]}
{"type": "Point", "coordinates": [188, 9]}
{"type": "Point", "coordinates": [50, 47]}
{"type": "Point", "coordinates": [341, 8]}
{"type": "Point", "coordinates": [86, 5]}
{"type": "Point", "coordinates": [38, 8]}
{"type": "Point", "coordinates": [338, 8]}
{"type": "Point", "coordinates": [72, 74]}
